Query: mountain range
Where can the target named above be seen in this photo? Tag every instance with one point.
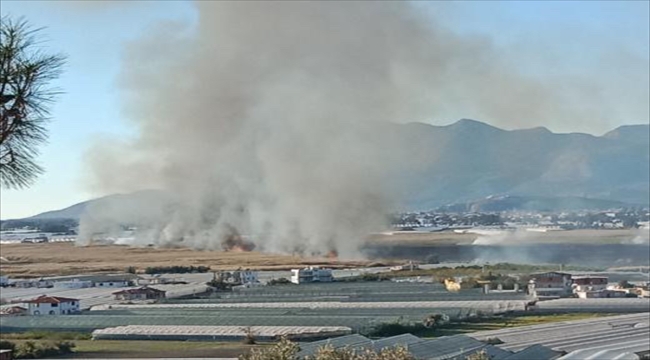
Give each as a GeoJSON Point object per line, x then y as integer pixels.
{"type": "Point", "coordinates": [471, 162]}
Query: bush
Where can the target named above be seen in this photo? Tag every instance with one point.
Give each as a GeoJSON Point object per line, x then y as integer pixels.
{"type": "Point", "coordinates": [48, 335]}
{"type": "Point", "coordinates": [391, 353]}
{"type": "Point", "coordinates": [287, 350]}
{"type": "Point", "coordinates": [280, 281]}
{"type": "Point", "coordinates": [480, 355]}
{"type": "Point", "coordinates": [34, 350]}
{"type": "Point", "coordinates": [176, 269]}
{"type": "Point", "coordinates": [283, 350]}
{"type": "Point", "coordinates": [624, 284]}
{"type": "Point", "coordinates": [493, 341]}
{"type": "Point", "coordinates": [7, 345]}
{"type": "Point", "coordinates": [249, 339]}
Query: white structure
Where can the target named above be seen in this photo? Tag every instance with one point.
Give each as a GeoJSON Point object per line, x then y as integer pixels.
{"type": "Point", "coordinates": [589, 294]}
{"type": "Point", "coordinates": [237, 277]}
{"type": "Point", "coordinates": [73, 284]}
{"type": "Point", "coordinates": [589, 283]}
{"type": "Point", "coordinates": [30, 283]}
{"type": "Point", "coordinates": [52, 305]}
{"type": "Point", "coordinates": [248, 277]}
{"type": "Point", "coordinates": [551, 283]}
{"type": "Point", "coordinates": [311, 274]}
{"type": "Point", "coordinates": [113, 283]}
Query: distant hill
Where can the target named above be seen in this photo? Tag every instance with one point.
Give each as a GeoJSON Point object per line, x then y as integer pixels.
{"type": "Point", "coordinates": [469, 160]}
{"type": "Point", "coordinates": [533, 203]}
{"type": "Point", "coordinates": [71, 212]}
{"type": "Point", "coordinates": [120, 201]}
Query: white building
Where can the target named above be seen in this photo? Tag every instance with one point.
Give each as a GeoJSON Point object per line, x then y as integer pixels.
{"type": "Point", "coordinates": [311, 274]}
{"type": "Point", "coordinates": [588, 294]}
{"type": "Point", "coordinates": [30, 283]}
{"type": "Point", "coordinates": [111, 283]}
{"type": "Point", "coordinates": [73, 284]}
{"type": "Point", "coordinates": [589, 283]}
{"type": "Point", "coordinates": [248, 277]}
{"type": "Point", "coordinates": [237, 277]}
{"type": "Point", "coordinates": [52, 305]}
{"type": "Point", "coordinates": [551, 284]}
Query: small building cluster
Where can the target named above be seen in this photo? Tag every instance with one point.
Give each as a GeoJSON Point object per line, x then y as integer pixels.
{"type": "Point", "coordinates": [102, 281]}
{"type": "Point", "coordinates": [237, 277]}
{"type": "Point", "coordinates": [311, 274]}
{"type": "Point", "coordinates": [558, 284]}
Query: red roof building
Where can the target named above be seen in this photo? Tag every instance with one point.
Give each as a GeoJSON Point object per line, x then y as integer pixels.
{"type": "Point", "coordinates": [52, 305]}
{"type": "Point", "coordinates": [143, 293]}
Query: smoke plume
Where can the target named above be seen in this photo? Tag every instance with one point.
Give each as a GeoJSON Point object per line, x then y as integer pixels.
{"type": "Point", "coordinates": [268, 120]}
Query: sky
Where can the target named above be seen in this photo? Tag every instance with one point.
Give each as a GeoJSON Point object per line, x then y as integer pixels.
{"type": "Point", "coordinates": [549, 39]}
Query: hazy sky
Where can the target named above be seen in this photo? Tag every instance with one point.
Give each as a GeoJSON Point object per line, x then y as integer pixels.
{"type": "Point", "coordinates": [606, 43]}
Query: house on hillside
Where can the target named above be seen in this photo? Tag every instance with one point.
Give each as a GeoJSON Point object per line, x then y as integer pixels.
{"type": "Point", "coordinates": [142, 293]}
{"type": "Point", "coordinates": [52, 305]}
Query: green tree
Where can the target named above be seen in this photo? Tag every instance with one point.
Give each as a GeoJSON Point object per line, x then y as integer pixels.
{"type": "Point", "coordinates": [25, 96]}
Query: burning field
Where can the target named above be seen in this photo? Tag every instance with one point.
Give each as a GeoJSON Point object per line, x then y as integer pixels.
{"type": "Point", "coordinates": [607, 248]}
{"type": "Point", "coordinates": [67, 259]}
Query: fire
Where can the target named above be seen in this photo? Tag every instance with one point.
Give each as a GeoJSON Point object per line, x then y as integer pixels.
{"type": "Point", "coordinates": [235, 243]}
{"type": "Point", "coordinates": [333, 254]}
{"type": "Point", "coordinates": [241, 248]}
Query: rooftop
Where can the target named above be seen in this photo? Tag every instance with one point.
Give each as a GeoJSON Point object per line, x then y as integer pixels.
{"type": "Point", "coordinates": [44, 299]}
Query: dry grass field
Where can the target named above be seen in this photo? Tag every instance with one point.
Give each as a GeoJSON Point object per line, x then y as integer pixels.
{"type": "Point", "coordinates": [596, 237]}
{"type": "Point", "coordinates": [66, 259]}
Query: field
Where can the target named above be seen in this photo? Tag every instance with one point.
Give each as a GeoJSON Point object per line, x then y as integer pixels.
{"type": "Point", "coordinates": [169, 349]}
{"type": "Point", "coordinates": [596, 237]}
{"type": "Point", "coordinates": [110, 349]}
{"type": "Point", "coordinates": [67, 259]}
{"type": "Point", "coordinates": [507, 322]}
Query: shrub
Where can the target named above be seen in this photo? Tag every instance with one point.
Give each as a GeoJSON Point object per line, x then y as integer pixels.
{"type": "Point", "coordinates": [48, 335]}
{"type": "Point", "coordinates": [26, 350]}
{"type": "Point", "coordinates": [391, 353]}
{"type": "Point", "coordinates": [280, 281]}
{"type": "Point", "coordinates": [493, 341]}
{"type": "Point", "coordinates": [396, 328]}
{"type": "Point", "coordinates": [624, 284]}
{"type": "Point", "coordinates": [176, 269]}
{"type": "Point", "coordinates": [480, 355]}
{"type": "Point", "coordinates": [7, 345]}
{"type": "Point", "coordinates": [249, 339]}
{"type": "Point", "coordinates": [287, 350]}
{"type": "Point", "coordinates": [34, 350]}
{"type": "Point", "coordinates": [283, 350]}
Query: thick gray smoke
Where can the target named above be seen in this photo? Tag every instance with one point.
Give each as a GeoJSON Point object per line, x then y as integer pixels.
{"type": "Point", "coordinates": [268, 119]}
